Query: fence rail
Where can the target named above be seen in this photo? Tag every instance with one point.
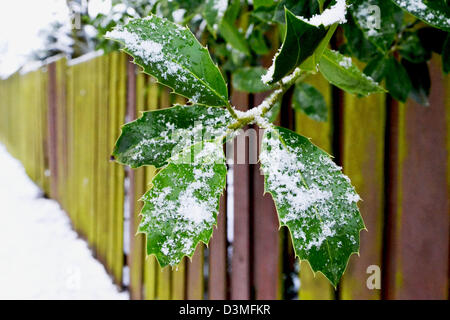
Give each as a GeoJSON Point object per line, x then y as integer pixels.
{"type": "Point", "coordinates": [62, 120]}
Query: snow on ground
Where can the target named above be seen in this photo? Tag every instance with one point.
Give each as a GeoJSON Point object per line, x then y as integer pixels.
{"type": "Point", "coordinates": [41, 257]}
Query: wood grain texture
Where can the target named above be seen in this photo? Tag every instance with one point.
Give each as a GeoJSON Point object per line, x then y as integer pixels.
{"type": "Point", "coordinates": [217, 280]}
{"type": "Point", "coordinates": [363, 163]}
{"type": "Point", "coordinates": [195, 286]}
{"type": "Point", "coordinates": [241, 259]}
{"type": "Point", "coordinates": [418, 243]}
{"type": "Point", "coordinates": [267, 255]}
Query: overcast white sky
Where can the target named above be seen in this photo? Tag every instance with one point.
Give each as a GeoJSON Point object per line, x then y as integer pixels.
{"type": "Point", "coordinates": [20, 23]}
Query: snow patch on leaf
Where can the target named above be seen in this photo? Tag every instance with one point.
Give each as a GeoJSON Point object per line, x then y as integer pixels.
{"type": "Point", "coordinates": [335, 14]}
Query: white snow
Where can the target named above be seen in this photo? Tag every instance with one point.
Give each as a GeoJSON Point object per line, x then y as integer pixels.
{"type": "Point", "coordinates": [220, 6]}
{"type": "Point", "coordinates": [346, 62]}
{"type": "Point", "coordinates": [335, 14]}
{"type": "Point", "coordinates": [41, 256]}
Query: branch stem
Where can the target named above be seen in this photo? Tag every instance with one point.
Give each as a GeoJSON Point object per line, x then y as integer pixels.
{"type": "Point", "coordinates": [261, 110]}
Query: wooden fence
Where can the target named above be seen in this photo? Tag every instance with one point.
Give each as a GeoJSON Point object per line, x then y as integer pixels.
{"type": "Point", "coordinates": [62, 120]}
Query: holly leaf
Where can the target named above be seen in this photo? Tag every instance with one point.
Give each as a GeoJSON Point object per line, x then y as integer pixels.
{"type": "Point", "coordinates": [262, 3]}
{"type": "Point", "coordinates": [248, 79]}
{"type": "Point", "coordinates": [376, 68]}
{"type": "Point", "coordinates": [273, 113]}
{"type": "Point", "coordinates": [433, 12]}
{"type": "Point", "coordinates": [181, 207]}
{"type": "Point", "coordinates": [310, 101]}
{"type": "Point", "coordinates": [300, 42]}
{"type": "Point", "coordinates": [233, 36]}
{"type": "Point", "coordinates": [419, 76]}
{"type": "Point", "coordinates": [397, 80]}
{"type": "Point", "coordinates": [157, 135]}
{"type": "Point", "coordinates": [173, 55]}
{"type": "Point", "coordinates": [446, 55]}
{"type": "Point", "coordinates": [380, 20]}
{"type": "Point", "coordinates": [340, 71]}
{"type": "Point", "coordinates": [311, 63]}
{"type": "Point", "coordinates": [412, 49]}
{"type": "Point", "coordinates": [313, 199]}
{"type": "Point", "coordinates": [358, 45]}
{"type": "Point", "coordinates": [257, 42]}
{"type": "Point", "coordinates": [213, 13]}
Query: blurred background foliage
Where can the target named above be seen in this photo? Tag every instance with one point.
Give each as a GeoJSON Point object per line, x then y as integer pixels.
{"type": "Point", "coordinates": [246, 34]}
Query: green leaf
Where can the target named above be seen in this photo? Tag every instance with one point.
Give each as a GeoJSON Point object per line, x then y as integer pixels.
{"type": "Point", "coordinates": [432, 39]}
{"type": "Point", "coordinates": [157, 135]}
{"type": "Point", "coordinates": [446, 55]}
{"type": "Point", "coordinates": [273, 113]}
{"type": "Point", "coordinates": [213, 13]}
{"type": "Point", "coordinates": [233, 36]}
{"type": "Point", "coordinates": [181, 207]}
{"type": "Point", "coordinates": [380, 21]}
{"type": "Point", "coordinates": [300, 42]}
{"type": "Point", "coordinates": [173, 55]}
{"type": "Point", "coordinates": [258, 43]}
{"type": "Point", "coordinates": [397, 80]}
{"type": "Point", "coordinates": [313, 199]}
{"type": "Point", "coordinates": [340, 71]}
{"type": "Point", "coordinates": [248, 79]}
{"type": "Point", "coordinates": [433, 12]}
{"type": "Point", "coordinates": [311, 63]}
{"type": "Point", "coordinates": [303, 8]}
{"type": "Point", "coordinates": [411, 48]}
{"type": "Point", "coordinates": [262, 3]}
{"type": "Point", "coordinates": [376, 69]}
{"type": "Point", "coordinates": [359, 46]}
{"type": "Point", "coordinates": [309, 100]}
{"type": "Point", "coordinates": [420, 81]}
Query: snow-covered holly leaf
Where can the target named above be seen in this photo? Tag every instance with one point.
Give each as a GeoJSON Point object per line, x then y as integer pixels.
{"type": "Point", "coordinates": [181, 207]}
{"type": "Point", "coordinates": [213, 13]}
{"type": "Point", "coordinates": [157, 135]}
{"type": "Point", "coordinates": [309, 100]}
{"type": "Point", "coordinates": [313, 199]}
{"type": "Point", "coordinates": [433, 12]}
{"type": "Point", "coordinates": [172, 54]}
{"type": "Point", "coordinates": [340, 71]}
{"type": "Point", "coordinates": [300, 42]}
{"type": "Point", "coordinates": [380, 21]}
{"type": "Point", "coordinates": [248, 79]}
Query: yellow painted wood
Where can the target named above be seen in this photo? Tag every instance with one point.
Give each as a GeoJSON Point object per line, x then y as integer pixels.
{"type": "Point", "coordinates": [363, 162]}
{"type": "Point", "coordinates": [195, 280]}
{"type": "Point", "coordinates": [102, 160]}
{"type": "Point", "coordinates": [120, 170]}
{"type": "Point", "coordinates": [112, 120]}
{"type": "Point", "coordinates": [316, 287]}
